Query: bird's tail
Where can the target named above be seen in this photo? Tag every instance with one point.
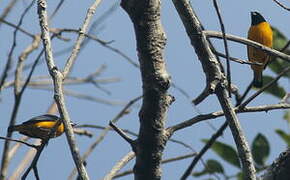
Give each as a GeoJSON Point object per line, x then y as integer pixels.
{"type": "Point", "coordinates": [258, 79]}
{"type": "Point", "coordinates": [13, 128]}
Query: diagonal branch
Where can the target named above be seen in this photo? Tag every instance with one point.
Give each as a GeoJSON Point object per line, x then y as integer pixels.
{"type": "Point", "coordinates": [217, 114]}
{"type": "Point", "coordinates": [284, 71]}
{"type": "Point", "coordinates": [282, 5]}
{"type": "Point", "coordinates": [246, 41]}
{"type": "Point", "coordinates": [119, 165]}
{"type": "Point", "coordinates": [81, 37]}
{"type": "Point", "coordinates": [225, 45]}
{"type": "Point", "coordinates": [214, 74]}
{"type": "Point", "coordinates": [58, 78]}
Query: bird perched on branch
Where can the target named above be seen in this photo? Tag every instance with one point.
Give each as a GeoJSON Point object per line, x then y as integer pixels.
{"type": "Point", "coordinates": [39, 127]}
{"type": "Point", "coordinates": [261, 32]}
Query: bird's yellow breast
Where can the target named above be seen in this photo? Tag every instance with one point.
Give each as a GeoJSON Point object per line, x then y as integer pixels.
{"type": "Point", "coordinates": [261, 33]}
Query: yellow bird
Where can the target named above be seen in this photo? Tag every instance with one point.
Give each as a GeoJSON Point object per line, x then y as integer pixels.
{"type": "Point", "coordinates": [261, 32]}
{"type": "Point", "coordinates": [39, 127]}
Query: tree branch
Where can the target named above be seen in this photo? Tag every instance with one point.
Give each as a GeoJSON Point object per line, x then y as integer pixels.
{"type": "Point", "coordinates": [151, 39]}
{"type": "Point", "coordinates": [217, 114]}
{"type": "Point", "coordinates": [58, 78]}
{"type": "Point", "coordinates": [119, 165]}
{"type": "Point", "coordinates": [81, 37]}
{"type": "Point", "coordinates": [215, 79]}
{"type": "Point", "coordinates": [245, 41]}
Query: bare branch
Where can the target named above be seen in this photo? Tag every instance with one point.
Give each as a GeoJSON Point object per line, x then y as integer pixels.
{"type": "Point", "coordinates": [238, 60]}
{"type": "Point", "coordinates": [8, 9]}
{"type": "Point", "coordinates": [284, 71]}
{"type": "Point", "coordinates": [225, 45]}
{"type": "Point", "coordinates": [214, 74]}
{"type": "Point", "coordinates": [281, 5]}
{"type": "Point", "coordinates": [83, 132]}
{"type": "Point", "coordinates": [133, 134]}
{"type": "Point", "coordinates": [17, 97]}
{"type": "Point", "coordinates": [9, 60]}
{"type": "Point", "coordinates": [122, 134]}
{"type": "Point", "coordinates": [58, 77]}
{"type": "Point", "coordinates": [81, 37]}
{"type": "Point", "coordinates": [245, 41]}
{"type": "Point", "coordinates": [19, 141]}
{"type": "Point", "coordinates": [174, 159]}
{"type": "Point", "coordinates": [56, 9]}
{"type": "Point", "coordinates": [105, 131]}
{"type": "Point", "coordinates": [120, 164]}
{"type": "Point", "coordinates": [217, 114]}
{"type": "Point", "coordinates": [151, 40]}
{"type": "Point", "coordinates": [16, 27]}
{"type": "Point", "coordinates": [204, 149]}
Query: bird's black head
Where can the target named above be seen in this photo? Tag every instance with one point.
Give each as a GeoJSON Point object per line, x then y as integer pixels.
{"type": "Point", "coordinates": [257, 18]}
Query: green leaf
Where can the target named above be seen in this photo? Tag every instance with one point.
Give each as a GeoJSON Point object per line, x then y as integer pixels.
{"type": "Point", "coordinates": [214, 166]}
{"type": "Point", "coordinates": [284, 136]}
{"type": "Point", "coordinates": [240, 176]}
{"type": "Point", "coordinates": [287, 116]}
{"type": "Point", "coordinates": [226, 152]}
{"type": "Point", "coordinates": [260, 149]}
{"type": "Point", "coordinates": [200, 173]}
{"type": "Point", "coordinates": [279, 41]}
{"type": "Point", "coordinates": [277, 65]}
{"type": "Point", "coordinates": [275, 89]}
{"type": "Point", "coordinates": [211, 167]}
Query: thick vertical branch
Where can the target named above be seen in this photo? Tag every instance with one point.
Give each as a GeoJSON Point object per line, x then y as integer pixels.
{"type": "Point", "coordinates": [151, 39]}
{"type": "Point", "coordinates": [216, 81]}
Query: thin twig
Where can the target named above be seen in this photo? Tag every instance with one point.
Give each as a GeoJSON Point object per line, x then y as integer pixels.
{"type": "Point", "coordinates": [17, 97]}
{"type": "Point", "coordinates": [9, 60]}
{"type": "Point", "coordinates": [16, 27]}
{"type": "Point", "coordinates": [20, 141]}
{"type": "Point", "coordinates": [225, 45]}
{"type": "Point", "coordinates": [56, 9]}
{"type": "Point", "coordinates": [119, 165]}
{"type": "Point", "coordinates": [282, 5]}
{"type": "Point", "coordinates": [84, 96]}
{"type": "Point", "coordinates": [203, 150]}
{"type": "Point", "coordinates": [133, 134]}
{"type": "Point", "coordinates": [16, 146]}
{"type": "Point", "coordinates": [7, 10]}
{"type": "Point", "coordinates": [19, 68]}
{"type": "Point", "coordinates": [169, 160]}
{"type": "Point", "coordinates": [239, 100]}
{"type": "Point", "coordinates": [83, 132]}
{"type": "Point", "coordinates": [248, 42]}
{"type": "Point", "coordinates": [105, 131]}
{"type": "Point", "coordinates": [101, 42]}
{"type": "Point", "coordinates": [122, 134]}
{"type": "Point", "coordinates": [217, 114]}
{"type": "Point", "coordinates": [81, 37]}
{"type": "Point", "coordinates": [265, 87]}
{"type": "Point", "coordinates": [238, 60]}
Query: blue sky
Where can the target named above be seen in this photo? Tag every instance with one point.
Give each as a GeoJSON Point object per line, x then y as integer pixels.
{"type": "Point", "coordinates": [182, 64]}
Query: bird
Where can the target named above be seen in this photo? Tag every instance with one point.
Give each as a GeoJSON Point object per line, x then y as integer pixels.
{"type": "Point", "coordinates": [260, 31]}
{"type": "Point", "coordinates": [39, 127]}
